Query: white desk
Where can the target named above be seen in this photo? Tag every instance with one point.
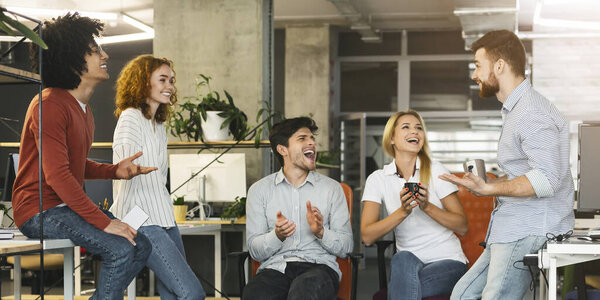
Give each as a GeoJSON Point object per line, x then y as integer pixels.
{"type": "Point", "coordinates": [63, 246]}
{"type": "Point", "coordinates": [215, 230]}
{"type": "Point", "coordinates": [558, 254]}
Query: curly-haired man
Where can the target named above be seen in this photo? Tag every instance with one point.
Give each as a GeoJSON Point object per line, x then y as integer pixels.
{"type": "Point", "coordinates": [73, 65]}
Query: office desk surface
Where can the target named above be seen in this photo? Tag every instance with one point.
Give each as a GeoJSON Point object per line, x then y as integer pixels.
{"type": "Point", "coordinates": [558, 254]}
{"type": "Point", "coordinates": [64, 246]}
{"type": "Point", "coordinates": [16, 248]}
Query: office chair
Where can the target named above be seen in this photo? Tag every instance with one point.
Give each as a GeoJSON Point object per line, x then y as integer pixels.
{"type": "Point", "coordinates": [348, 265]}
{"type": "Point", "coordinates": [478, 211]}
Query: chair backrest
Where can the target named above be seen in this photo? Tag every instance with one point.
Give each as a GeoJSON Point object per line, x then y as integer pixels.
{"type": "Point", "coordinates": [99, 189]}
{"type": "Point", "coordinates": [478, 211]}
{"type": "Point", "coordinates": [345, 264]}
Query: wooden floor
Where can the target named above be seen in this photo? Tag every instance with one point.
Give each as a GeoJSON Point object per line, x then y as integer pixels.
{"type": "Point", "coordinates": [60, 297]}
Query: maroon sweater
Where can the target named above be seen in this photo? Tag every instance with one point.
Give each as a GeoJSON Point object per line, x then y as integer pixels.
{"type": "Point", "coordinates": [67, 137]}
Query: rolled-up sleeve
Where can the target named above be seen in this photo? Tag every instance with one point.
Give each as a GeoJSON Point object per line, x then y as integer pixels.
{"type": "Point", "coordinates": [540, 143]}
{"type": "Point", "coordinates": [262, 242]}
{"type": "Point", "coordinates": [337, 239]}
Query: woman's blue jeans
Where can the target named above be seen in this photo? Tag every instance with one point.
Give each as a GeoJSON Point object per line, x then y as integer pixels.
{"type": "Point", "coordinates": [121, 261]}
{"type": "Point", "coordinates": [176, 280]}
{"type": "Point", "coordinates": [412, 279]}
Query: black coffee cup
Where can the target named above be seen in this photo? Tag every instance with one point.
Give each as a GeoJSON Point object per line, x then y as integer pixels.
{"type": "Point", "coordinates": [412, 187]}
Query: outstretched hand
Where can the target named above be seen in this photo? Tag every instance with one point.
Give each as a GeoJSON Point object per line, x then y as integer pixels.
{"type": "Point", "coordinates": [315, 220]}
{"type": "Point", "coordinates": [127, 169]}
{"type": "Point", "coordinates": [472, 182]}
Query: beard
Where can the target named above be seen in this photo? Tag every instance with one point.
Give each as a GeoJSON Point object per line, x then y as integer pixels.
{"type": "Point", "coordinates": [490, 87]}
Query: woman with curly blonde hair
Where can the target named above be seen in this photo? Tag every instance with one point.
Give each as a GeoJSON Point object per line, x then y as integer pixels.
{"type": "Point", "coordinates": [429, 258]}
{"type": "Point", "coordinates": [145, 92]}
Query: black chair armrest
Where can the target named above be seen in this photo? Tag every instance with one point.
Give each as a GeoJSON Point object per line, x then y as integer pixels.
{"type": "Point", "coordinates": [241, 262]}
{"type": "Point", "coordinates": [354, 257]}
{"type": "Point", "coordinates": [382, 245]}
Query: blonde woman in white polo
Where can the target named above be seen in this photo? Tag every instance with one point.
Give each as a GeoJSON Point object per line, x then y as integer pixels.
{"type": "Point", "coordinates": [429, 258]}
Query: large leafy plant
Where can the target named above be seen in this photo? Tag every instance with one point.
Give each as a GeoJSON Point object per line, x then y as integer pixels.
{"type": "Point", "coordinates": [186, 123]}
{"type": "Point", "coordinates": [12, 26]}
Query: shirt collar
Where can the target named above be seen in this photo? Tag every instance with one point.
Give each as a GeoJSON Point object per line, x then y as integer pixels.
{"type": "Point", "coordinates": [280, 177]}
{"type": "Point", "coordinates": [516, 94]}
{"type": "Point", "coordinates": [391, 169]}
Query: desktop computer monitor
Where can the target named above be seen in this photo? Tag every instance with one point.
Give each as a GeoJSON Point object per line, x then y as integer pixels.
{"type": "Point", "coordinates": [224, 179]}
{"type": "Point", "coordinates": [588, 166]}
{"type": "Point", "coordinates": [9, 177]}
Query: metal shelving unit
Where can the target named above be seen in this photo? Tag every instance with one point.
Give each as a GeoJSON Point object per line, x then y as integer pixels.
{"type": "Point", "coordinates": [10, 75]}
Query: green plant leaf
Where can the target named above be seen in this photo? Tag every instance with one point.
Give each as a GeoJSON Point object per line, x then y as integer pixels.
{"type": "Point", "coordinates": [3, 26]}
{"type": "Point", "coordinates": [28, 33]}
{"type": "Point", "coordinates": [229, 98]}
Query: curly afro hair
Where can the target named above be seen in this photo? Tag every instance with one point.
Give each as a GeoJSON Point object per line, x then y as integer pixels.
{"type": "Point", "coordinates": [133, 86]}
{"type": "Point", "coordinates": [69, 39]}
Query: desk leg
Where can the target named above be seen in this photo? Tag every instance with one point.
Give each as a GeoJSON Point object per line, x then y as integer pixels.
{"type": "Point", "coordinates": [247, 263]}
{"type": "Point", "coordinates": [68, 273]}
{"type": "Point", "coordinates": [131, 290]}
{"type": "Point", "coordinates": [543, 290]}
{"type": "Point", "coordinates": [77, 260]}
{"type": "Point", "coordinates": [552, 279]}
{"type": "Point", "coordinates": [17, 277]}
{"type": "Point", "coordinates": [218, 262]}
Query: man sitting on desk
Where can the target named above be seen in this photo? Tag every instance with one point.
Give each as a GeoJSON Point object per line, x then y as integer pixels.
{"type": "Point", "coordinates": [73, 65]}
{"type": "Point", "coordinates": [297, 221]}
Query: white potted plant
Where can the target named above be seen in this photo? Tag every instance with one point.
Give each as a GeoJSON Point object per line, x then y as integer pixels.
{"type": "Point", "coordinates": [210, 118]}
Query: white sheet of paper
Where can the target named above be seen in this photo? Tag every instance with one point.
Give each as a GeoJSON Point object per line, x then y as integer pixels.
{"type": "Point", "coordinates": [135, 218]}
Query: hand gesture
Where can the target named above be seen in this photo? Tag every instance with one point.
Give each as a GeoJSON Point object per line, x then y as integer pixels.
{"type": "Point", "coordinates": [408, 202]}
{"type": "Point", "coordinates": [284, 227]}
{"type": "Point", "coordinates": [127, 169]}
{"type": "Point", "coordinates": [475, 184]}
{"type": "Point", "coordinates": [315, 220]}
{"type": "Point", "coordinates": [119, 228]}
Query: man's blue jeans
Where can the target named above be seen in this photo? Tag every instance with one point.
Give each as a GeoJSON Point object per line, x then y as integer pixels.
{"type": "Point", "coordinates": [176, 280]}
{"type": "Point", "coordinates": [411, 279]}
{"type": "Point", "coordinates": [121, 261]}
{"type": "Point", "coordinates": [497, 274]}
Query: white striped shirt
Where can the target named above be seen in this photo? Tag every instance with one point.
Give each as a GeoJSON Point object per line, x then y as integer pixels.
{"type": "Point", "coordinates": [135, 133]}
{"type": "Point", "coordinates": [535, 143]}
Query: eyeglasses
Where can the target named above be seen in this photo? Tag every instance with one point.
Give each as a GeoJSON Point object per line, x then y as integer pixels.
{"type": "Point", "coordinates": [97, 49]}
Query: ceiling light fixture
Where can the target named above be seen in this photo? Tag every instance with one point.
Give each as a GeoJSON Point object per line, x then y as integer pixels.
{"type": "Point", "coordinates": [146, 34]}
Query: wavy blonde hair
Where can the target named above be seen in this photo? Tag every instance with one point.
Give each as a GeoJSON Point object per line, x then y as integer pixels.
{"type": "Point", "coordinates": [424, 156]}
{"type": "Point", "coordinates": [133, 87]}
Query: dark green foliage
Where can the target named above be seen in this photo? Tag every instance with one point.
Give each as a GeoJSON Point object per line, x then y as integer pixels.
{"type": "Point", "coordinates": [235, 210]}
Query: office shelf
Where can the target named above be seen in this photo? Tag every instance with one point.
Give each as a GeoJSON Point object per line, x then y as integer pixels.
{"type": "Point", "coordinates": [10, 75]}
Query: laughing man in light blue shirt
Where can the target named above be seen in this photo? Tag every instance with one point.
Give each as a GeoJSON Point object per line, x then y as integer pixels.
{"type": "Point", "coordinates": [297, 222]}
{"type": "Point", "coordinates": [536, 195]}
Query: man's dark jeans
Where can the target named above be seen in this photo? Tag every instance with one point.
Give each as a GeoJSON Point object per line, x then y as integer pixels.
{"type": "Point", "coordinates": [121, 261]}
{"type": "Point", "coordinates": [301, 280]}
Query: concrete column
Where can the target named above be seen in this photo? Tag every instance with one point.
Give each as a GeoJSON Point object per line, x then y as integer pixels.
{"type": "Point", "coordinates": [307, 77]}
{"type": "Point", "coordinates": [221, 39]}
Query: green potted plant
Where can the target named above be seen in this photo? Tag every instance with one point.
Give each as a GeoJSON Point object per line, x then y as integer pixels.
{"type": "Point", "coordinates": [209, 117]}
{"type": "Point", "coordinates": [236, 210]}
{"type": "Point", "coordinates": [179, 208]}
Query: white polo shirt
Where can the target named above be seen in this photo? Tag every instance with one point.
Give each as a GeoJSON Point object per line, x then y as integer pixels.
{"type": "Point", "coordinates": [418, 233]}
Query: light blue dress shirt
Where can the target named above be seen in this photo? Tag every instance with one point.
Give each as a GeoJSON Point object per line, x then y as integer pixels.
{"type": "Point", "coordinates": [535, 143]}
{"type": "Point", "coordinates": [274, 193]}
